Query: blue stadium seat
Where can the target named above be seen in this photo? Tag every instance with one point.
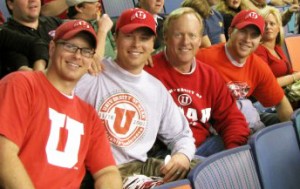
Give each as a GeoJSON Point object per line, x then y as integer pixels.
{"type": "Point", "coordinates": [229, 169]}
{"type": "Point", "coordinates": [4, 9]}
{"type": "Point", "coordinates": [115, 7]}
{"type": "Point", "coordinates": [296, 122]}
{"type": "Point", "coordinates": [171, 5]}
{"type": "Point", "coordinates": [277, 156]}
{"type": "Point", "coordinates": [179, 184]}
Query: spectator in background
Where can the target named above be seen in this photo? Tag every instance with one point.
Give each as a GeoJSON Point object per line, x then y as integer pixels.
{"type": "Point", "coordinates": [257, 5]}
{"type": "Point", "coordinates": [26, 20]}
{"type": "Point", "coordinates": [270, 49]}
{"type": "Point", "coordinates": [213, 22]}
{"type": "Point", "coordinates": [244, 72]}
{"type": "Point", "coordinates": [35, 49]}
{"type": "Point", "coordinates": [126, 99]}
{"type": "Point", "coordinates": [90, 10]}
{"type": "Point", "coordinates": [229, 8]}
{"type": "Point", "coordinates": [198, 90]}
{"type": "Point", "coordinates": [155, 7]}
{"type": "Point", "coordinates": [54, 8]}
{"type": "Point", "coordinates": [47, 135]}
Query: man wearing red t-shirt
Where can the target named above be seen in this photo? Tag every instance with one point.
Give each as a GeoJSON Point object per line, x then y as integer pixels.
{"type": "Point", "coordinates": [198, 90]}
{"type": "Point", "coordinates": [244, 72]}
{"type": "Point", "coordinates": [48, 136]}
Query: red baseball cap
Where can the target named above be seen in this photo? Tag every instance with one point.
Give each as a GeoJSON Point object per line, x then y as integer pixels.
{"type": "Point", "coordinates": [132, 19]}
{"type": "Point", "coordinates": [248, 17]}
{"type": "Point", "coordinates": [69, 29]}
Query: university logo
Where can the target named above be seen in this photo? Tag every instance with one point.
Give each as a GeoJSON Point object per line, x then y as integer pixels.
{"type": "Point", "coordinates": [184, 99]}
{"type": "Point", "coordinates": [124, 118]}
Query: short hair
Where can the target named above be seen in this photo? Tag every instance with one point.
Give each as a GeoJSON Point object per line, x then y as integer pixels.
{"type": "Point", "coordinates": [268, 10]}
{"type": "Point", "coordinates": [174, 15]}
{"type": "Point", "coordinates": [200, 6]}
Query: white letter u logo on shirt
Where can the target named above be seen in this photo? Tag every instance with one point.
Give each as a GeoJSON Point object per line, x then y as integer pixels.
{"type": "Point", "coordinates": [69, 156]}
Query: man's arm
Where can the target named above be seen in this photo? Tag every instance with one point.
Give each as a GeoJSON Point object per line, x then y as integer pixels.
{"type": "Point", "coordinates": [108, 178]}
{"type": "Point", "coordinates": [284, 109]}
{"type": "Point", "coordinates": [54, 8]}
{"type": "Point", "coordinates": [104, 26]}
{"type": "Point", "coordinates": [12, 172]}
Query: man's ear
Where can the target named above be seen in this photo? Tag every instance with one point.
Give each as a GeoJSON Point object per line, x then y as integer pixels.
{"type": "Point", "coordinates": [51, 48]}
{"type": "Point", "coordinates": [9, 5]}
{"type": "Point", "coordinates": [78, 9]}
{"type": "Point", "coordinates": [230, 30]}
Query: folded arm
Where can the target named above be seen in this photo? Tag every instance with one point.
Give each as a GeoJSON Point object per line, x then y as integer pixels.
{"type": "Point", "coordinates": [108, 178]}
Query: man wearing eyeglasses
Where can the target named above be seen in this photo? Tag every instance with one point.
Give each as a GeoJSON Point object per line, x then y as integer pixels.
{"type": "Point", "coordinates": [48, 136]}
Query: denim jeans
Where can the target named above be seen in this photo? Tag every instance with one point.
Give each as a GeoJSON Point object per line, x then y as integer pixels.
{"type": "Point", "coordinates": [211, 146]}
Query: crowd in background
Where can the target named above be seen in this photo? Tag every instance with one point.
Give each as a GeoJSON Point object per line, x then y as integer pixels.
{"type": "Point", "coordinates": [145, 94]}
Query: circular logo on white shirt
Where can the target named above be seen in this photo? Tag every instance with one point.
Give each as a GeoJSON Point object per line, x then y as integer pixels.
{"type": "Point", "coordinates": [124, 118]}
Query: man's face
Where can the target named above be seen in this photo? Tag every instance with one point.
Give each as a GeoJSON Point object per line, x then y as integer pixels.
{"type": "Point", "coordinates": [152, 6]}
{"type": "Point", "coordinates": [233, 3]}
{"type": "Point", "coordinates": [69, 66]}
{"type": "Point", "coordinates": [90, 10]}
{"type": "Point", "coordinates": [134, 49]}
{"type": "Point", "coordinates": [25, 10]}
{"type": "Point", "coordinates": [183, 39]}
{"type": "Point", "coordinates": [243, 42]}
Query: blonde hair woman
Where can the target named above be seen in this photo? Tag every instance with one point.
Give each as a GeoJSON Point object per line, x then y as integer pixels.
{"type": "Point", "coordinates": [270, 48]}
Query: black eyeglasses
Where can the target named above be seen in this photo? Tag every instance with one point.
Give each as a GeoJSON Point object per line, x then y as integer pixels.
{"type": "Point", "coordinates": [86, 52]}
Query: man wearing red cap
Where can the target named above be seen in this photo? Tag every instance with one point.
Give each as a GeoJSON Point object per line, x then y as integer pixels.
{"type": "Point", "coordinates": [135, 107]}
{"type": "Point", "coordinates": [48, 136]}
{"type": "Point", "coordinates": [245, 73]}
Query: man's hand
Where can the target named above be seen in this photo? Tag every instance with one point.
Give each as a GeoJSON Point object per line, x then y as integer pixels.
{"type": "Point", "coordinates": [104, 26]}
{"type": "Point", "coordinates": [104, 23]}
{"type": "Point", "coordinates": [177, 168]}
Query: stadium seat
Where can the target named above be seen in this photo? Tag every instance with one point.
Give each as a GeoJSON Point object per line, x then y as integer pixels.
{"type": "Point", "coordinates": [277, 156]}
{"type": "Point", "coordinates": [171, 5]}
{"type": "Point", "coordinates": [296, 122]}
{"type": "Point", "coordinates": [292, 46]}
{"type": "Point", "coordinates": [115, 7]}
{"type": "Point", "coordinates": [4, 9]}
{"type": "Point", "coordinates": [179, 184]}
{"type": "Point", "coordinates": [229, 169]}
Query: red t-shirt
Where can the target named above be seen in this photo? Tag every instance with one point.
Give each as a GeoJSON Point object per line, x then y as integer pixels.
{"type": "Point", "coordinates": [280, 67]}
{"type": "Point", "coordinates": [205, 100]}
{"type": "Point", "coordinates": [254, 78]}
{"type": "Point", "coordinates": [57, 136]}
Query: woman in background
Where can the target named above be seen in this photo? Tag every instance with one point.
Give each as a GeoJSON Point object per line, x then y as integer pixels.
{"type": "Point", "coordinates": [212, 20]}
{"type": "Point", "coordinates": [270, 48]}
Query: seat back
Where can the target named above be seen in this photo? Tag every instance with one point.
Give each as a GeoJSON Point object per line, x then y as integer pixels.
{"type": "Point", "coordinates": [179, 184]}
{"type": "Point", "coordinates": [296, 123]}
{"type": "Point", "coordinates": [277, 156]}
{"type": "Point", "coordinates": [233, 168]}
{"type": "Point", "coordinates": [292, 46]}
{"type": "Point", "coordinates": [115, 7]}
{"type": "Point", "coordinates": [171, 5]}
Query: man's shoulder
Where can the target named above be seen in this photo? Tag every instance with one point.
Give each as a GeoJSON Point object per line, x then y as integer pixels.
{"type": "Point", "coordinates": [23, 78]}
{"type": "Point", "coordinates": [50, 20]}
{"type": "Point", "coordinates": [212, 52]}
